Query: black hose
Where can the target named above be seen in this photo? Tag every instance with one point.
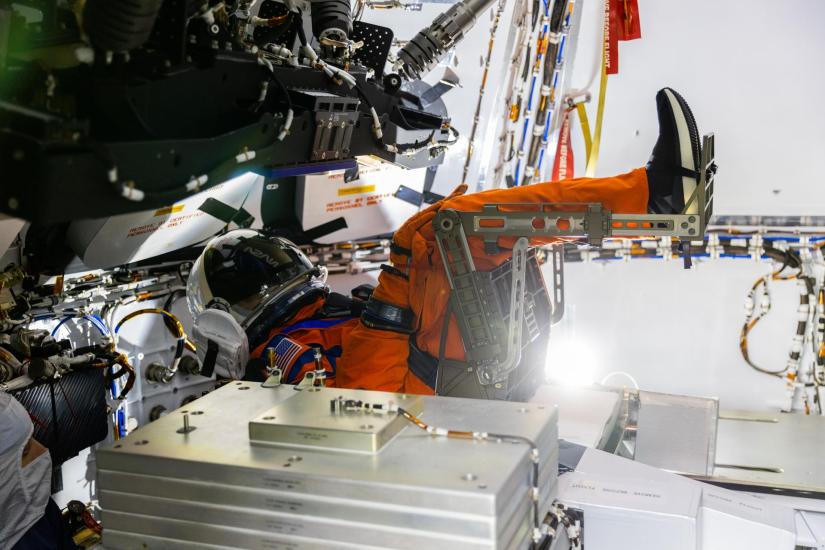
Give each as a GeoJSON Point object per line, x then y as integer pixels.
{"type": "Point", "coordinates": [120, 25]}
{"type": "Point", "coordinates": [331, 18]}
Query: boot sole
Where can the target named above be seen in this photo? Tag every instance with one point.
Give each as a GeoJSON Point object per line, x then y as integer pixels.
{"type": "Point", "coordinates": [688, 144]}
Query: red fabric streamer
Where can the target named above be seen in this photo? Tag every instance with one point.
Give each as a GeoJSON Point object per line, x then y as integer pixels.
{"type": "Point", "coordinates": [611, 36]}
{"type": "Point", "coordinates": [563, 165]}
{"type": "Point", "coordinates": [629, 27]}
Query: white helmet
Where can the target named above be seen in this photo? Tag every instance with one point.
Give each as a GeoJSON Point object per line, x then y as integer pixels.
{"type": "Point", "coordinates": [260, 280]}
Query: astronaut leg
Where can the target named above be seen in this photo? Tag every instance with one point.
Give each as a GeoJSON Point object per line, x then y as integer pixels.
{"type": "Point", "coordinates": [376, 355]}
{"type": "Point", "coordinates": [415, 293]}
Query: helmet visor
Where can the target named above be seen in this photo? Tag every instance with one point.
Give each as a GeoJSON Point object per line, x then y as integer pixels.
{"type": "Point", "coordinates": [244, 269]}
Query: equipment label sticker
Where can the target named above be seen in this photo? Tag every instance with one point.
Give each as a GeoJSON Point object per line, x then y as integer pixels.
{"type": "Point", "coordinates": [356, 190]}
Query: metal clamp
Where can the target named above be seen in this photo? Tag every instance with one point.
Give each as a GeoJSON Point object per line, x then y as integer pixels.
{"type": "Point", "coordinates": [495, 350]}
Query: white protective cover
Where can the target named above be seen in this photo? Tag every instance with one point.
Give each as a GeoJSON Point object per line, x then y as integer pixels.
{"type": "Point", "coordinates": [9, 228]}
{"type": "Point", "coordinates": [233, 346]}
{"type": "Point", "coordinates": [108, 242]}
{"type": "Point", "coordinates": [631, 506]}
{"type": "Point", "coordinates": [739, 521]}
{"type": "Point", "coordinates": [367, 204]}
{"type": "Point", "coordinates": [24, 492]}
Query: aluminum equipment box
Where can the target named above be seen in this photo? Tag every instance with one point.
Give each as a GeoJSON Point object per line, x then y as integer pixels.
{"type": "Point", "coordinates": [214, 487]}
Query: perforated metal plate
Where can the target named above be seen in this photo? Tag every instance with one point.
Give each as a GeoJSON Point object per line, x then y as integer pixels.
{"type": "Point", "coordinates": [377, 41]}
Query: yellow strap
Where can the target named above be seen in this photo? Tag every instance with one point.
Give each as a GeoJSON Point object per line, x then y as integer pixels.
{"type": "Point", "coordinates": [593, 157]}
{"type": "Point", "coordinates": [585, 124]}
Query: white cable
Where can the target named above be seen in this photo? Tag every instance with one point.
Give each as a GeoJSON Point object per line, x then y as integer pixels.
{"type": "Point", "coordinates": [290, 115]}
{"type": "Point", "coordinates": [195, 184]}
{"type": "Point", "coordinates": [16, 383]}
{"type": "Point", "coordinates": [287, 125]}
{"type": "Point", "coordinates": [376, 124]}
{"type": "Point", "coordinates": [129, 192]}
{"type": "Point", "coordinates": [245, 156]}
{"type": "Point", "coordinates": [597, 60]}
{"type": "Point", "coordinates": [330, 70]}
{"type": "Point", "coordinates": [610, 375]}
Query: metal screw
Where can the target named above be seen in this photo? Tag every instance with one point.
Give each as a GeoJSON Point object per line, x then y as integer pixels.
{"type": "Point", "coordinates": [186, 427]}
{"type": "Point", "coordinates": [14, 204]}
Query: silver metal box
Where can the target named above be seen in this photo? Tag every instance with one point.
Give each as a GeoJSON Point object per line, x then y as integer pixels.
{"type": "Point", "coordinates": [306, 420]}
{"type": "Point", "coordinates": [215, 488]}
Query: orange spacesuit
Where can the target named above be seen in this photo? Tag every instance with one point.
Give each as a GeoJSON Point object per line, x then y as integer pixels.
{"type": "Point", "coordinates": [356, 355]}
{"type": "Point", "coordinates": [400, 339]}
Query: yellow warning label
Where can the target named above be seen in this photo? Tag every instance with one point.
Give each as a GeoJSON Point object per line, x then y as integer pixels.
{"type": "Point", "coordinates": [168, 210]}
{"type": "Point", "coordinates": [356, 190]}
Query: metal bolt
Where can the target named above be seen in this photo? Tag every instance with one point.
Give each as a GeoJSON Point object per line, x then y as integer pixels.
{"type": "Point", "coordinates": [186, 426]}
{"type": "Point", "coordinates": [14, 204]}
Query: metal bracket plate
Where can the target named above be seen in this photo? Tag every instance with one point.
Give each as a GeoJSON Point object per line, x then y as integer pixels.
{"type": "Point", "coordinates": [490, 346]}
{"type": "Point", "coordinates": [306, 420]}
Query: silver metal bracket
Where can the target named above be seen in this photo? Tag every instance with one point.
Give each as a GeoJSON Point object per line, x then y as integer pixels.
{"type": "Point", "coordinates": [557, 284]}
{"type": "Point", "coordinates": [492, 349]}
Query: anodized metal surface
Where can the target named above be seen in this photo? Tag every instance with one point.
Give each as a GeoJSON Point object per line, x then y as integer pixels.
{"type": "Point", "coordinates": [185, 520]}
{"type": "Point", "coordinates": [587, 416]}
{"type": "Point", "coordinates": [417, 491]}
{"type": "Point", "coordinates": [305, 420]}
{"type": "Point", "coordinates": [677, 432]}
{"type": "Point", "coordinates": [296, 506]}
{"type": "Point", "coordinates": [776, 451]}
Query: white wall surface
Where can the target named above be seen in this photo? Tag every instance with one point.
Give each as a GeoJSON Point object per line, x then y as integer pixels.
{"type": "Point", "coordinates": [753, 73]}
{"type": "Point", "coordinates": [674, 330]}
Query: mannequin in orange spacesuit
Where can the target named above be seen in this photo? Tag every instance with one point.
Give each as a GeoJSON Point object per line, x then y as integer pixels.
{"type": "Point", "coordinates": [371, 351]}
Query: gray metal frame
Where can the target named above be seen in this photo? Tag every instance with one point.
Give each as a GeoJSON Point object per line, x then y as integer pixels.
{"type": "Point", "coordinates": [488, 344]}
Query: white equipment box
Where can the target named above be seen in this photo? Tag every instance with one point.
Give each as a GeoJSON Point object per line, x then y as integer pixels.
{"type": "Point", "coordinates": [630, 505]}
{"type": "Point", "coordinates": [104, 242]}
{"type": "Point", "coordinates": [368, 204]}
{"type": "Point", "coordinates": [278, 468]}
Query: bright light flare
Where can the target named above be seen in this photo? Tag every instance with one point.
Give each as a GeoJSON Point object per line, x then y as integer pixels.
{"type": "Point", "coordinates": [571, 362]}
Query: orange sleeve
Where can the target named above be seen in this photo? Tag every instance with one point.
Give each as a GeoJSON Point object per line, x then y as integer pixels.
{"type": "Point", "coordinates": [377, 359]}
{"type": "Point", "coordinates": [626, 194]}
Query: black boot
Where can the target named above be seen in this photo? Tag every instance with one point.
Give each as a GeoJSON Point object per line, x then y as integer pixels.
{"type": "Point", "coordinates": [673, 168]}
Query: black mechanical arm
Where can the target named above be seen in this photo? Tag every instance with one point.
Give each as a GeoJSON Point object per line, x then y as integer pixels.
{"type": "Point", "coordinates": [114, 106]}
